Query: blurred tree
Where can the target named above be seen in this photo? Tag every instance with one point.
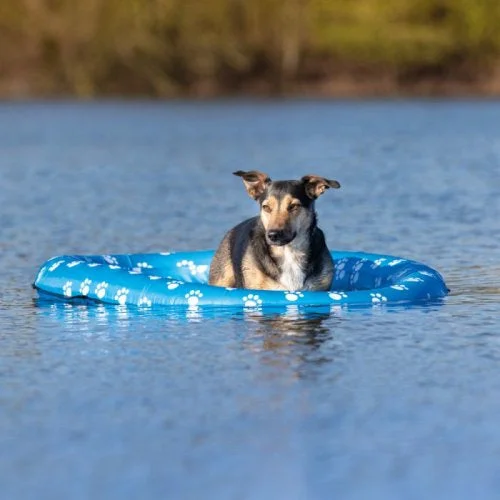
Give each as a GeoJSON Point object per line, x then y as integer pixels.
{"type": "Point", "coordinates": [171, 47]}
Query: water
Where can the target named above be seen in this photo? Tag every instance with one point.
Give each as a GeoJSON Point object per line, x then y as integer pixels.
{"type": "Point", "coordinates": [108, 402]}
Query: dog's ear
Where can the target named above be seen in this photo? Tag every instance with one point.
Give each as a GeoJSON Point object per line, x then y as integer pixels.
{"type": "Point", "coordinates": [255, 182]}
{"type": "Point", "coordinates": [316, 186]}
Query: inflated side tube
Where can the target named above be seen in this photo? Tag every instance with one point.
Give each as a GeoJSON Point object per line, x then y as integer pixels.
{"type": "Point", "coordinates": [180, 279]}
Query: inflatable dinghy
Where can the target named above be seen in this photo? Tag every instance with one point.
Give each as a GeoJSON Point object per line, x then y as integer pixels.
{"type": "Point", "coordinates": [181, 279]}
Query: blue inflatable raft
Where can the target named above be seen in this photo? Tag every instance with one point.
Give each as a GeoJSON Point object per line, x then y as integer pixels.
{"type": "Point", "coordinates": [180, 279]}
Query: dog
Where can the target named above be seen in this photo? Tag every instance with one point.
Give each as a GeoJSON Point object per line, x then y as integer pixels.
{"type": "Point", "coordinates": [282, 248]}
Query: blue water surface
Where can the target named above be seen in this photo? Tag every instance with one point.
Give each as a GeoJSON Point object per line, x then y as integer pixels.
{"type": "Point", "coordinates": [115, 402]}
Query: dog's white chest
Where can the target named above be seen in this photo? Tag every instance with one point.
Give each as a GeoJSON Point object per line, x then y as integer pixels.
{"type": "Point", "coordinates": [292, 275]}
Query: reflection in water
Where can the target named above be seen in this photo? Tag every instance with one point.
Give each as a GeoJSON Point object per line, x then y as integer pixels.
{"type": "Point", "coordinates": [293, 339]}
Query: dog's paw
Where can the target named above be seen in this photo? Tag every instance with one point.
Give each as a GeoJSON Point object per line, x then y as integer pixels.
{"type": "Point", "coordinates": [252, 301]}
{"type": "Point", "coordinates": [193, 298]}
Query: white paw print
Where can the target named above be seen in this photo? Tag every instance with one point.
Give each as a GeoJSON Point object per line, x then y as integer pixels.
{"type": "Point", "coordinates": [426, 273]}
{"type": "Point", "coordinates": [186, 263]}
{"type": "Point", "coordinates": [377, 298]}
{"type": "Point", "coordinates": [114, 266]}
{"type": "Point", "coordinates": [252, 300]}
{"type": "Point", "coordinates": [340, 269]}
{"type": "Point", "coordinates": [100, 289]}
{"type": "Point", "coordinates": [193, 297]}
{"type": "Point", "coordinates": [85, 286]}
{"type": "Point", "coordinates": [378, 262]}
{"type": "Point", "coordinates": [356, 268]}
{"type": "Point", "coordinates": [144, 265]}
{"type": "Point", "coordinates": [144, 302]}
{"type": "Point", "coordinates": [121, 296]}
{"type": "Point", "coordinates": [337, 295]}
{"type": "Point", "coordinates": [153, 277]}
{"type": "Point", "coordinates": [73, 263]}
{"type": "Point", "coordinates": [202, 268]}
{"type": "Point", "coordinates": [67, 289]}
{"type": "Point", "coordinates": [395, 262]}
{"type": "Point", "coordinates": [293, 296]}
{"type": "Point", "coordinates": [55, 265]}
{"type": "Point", "coordinates": [358, 265]}
{"type": "Point", "coordinates": [193, 268]}
{"type": "Point", "coordinates": [165, 253]}
{"type": "Point", "coordinates": [172, 285]}
{"type": "Point", "coordinates": [93, 264]}
{"type": "Point", "coordinates": [399, 287]}
{"type": "Point", "coordinates": [110, 259]}
{"type": "Point", "coordinates": [414, 279]}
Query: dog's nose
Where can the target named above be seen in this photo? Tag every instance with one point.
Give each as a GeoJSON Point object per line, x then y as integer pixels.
{"type": "Point", "coordinates": [275, 235]}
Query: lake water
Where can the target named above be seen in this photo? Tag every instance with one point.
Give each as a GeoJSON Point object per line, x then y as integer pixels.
{"type": "Point", "coordinates": [105, 402]}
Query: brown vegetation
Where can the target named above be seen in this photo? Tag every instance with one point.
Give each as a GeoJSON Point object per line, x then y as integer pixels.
{"type": "Point", "coordinates": [164, 48]}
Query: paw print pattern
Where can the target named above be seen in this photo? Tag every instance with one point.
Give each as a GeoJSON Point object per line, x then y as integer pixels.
{"type": "Point", "coordinates": [85, 286]}
{"type": "Point", "coordinates": [144, 302]}
{"type": "Point", "coordinates": [193, 298]}
{"type": "Point", "coordinates": [173, 284]}
{"type": "Point", "coordinates": [68, 292]}
{"type": "Point", "coordinates": [144, 265]}
{"type": "Point", "coordinates": [73, 263]}
{"type": "Point", "coordinates": [355, 274]}
{"type": "Point", "coordinates": [340, 269]}
{"type": "Point", "coordinates": [110, 260]}
{"type": "Point", "coordinates": [337, 295]}
{"type": "Point", "coordinates": [378, 262]}
{"type": "Point", "coordinates": [55, 265]}
{"type": "Point", "coordinates": [293, 296]}
{"type": "Point", "coordinates": [100, 289]}
{"type": "Point", "coordinates": [399, 287]}
{"type": "Point", "coordinates": [121, 296]}
{"type": "Point", "coordinates": [395, 262]}
{"type": "Point", "coordinates": [378, 298]}
{"type": "Point", "coordinates": [414, 279]}
{"type": "Point", "coordinates": [426, 273]}
{"type": "Point", "coordinates": [252, 300]}
{"type": "Point", "coordinates": [193, 268]}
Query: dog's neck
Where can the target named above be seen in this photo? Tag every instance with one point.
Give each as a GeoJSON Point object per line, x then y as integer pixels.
{"type": "Point", "coordinates": [292, 260]}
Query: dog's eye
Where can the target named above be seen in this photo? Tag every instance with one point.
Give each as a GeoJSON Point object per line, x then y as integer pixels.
{"type": "Point", "coordinates": [267, 208]}
{"type": "Point", "coordinates": [294, 207]}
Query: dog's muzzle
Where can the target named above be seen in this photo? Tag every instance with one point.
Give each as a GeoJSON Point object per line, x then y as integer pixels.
{"type": "Point", "coordinates": [279, 237]}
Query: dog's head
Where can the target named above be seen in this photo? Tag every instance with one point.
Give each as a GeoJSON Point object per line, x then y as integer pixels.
{"type": "Point", "coordinates": [286, 207]}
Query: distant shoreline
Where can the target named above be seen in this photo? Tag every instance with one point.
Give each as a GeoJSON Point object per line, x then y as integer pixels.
{"type": "Point", "coordinates": [343, 87]}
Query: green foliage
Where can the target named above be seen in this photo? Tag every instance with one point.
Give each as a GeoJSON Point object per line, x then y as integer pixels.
{"type": "Point", "coordinates": [167, 47]}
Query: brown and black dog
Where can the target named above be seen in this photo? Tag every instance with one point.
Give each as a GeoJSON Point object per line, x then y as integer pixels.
{"type": "Point", "coordinates": [282, 248]}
